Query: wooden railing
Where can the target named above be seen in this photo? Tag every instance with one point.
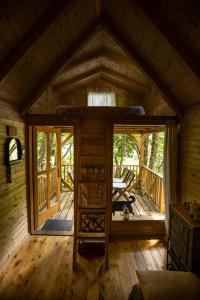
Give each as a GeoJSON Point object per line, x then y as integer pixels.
{"type": "Point", "coordinates": [151, 183]}
{"type": "Point", "coordinates": [152, 186]}
{"type": "Point", "coordinates": [53, 182]}
{"type": "Point", "coordinates": [42, 192]}
{"type": "Point", "coordinates": [66, 170]}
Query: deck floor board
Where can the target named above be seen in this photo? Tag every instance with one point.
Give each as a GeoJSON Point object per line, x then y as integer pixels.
{"type": "Point", "coordinates": [142, 206]}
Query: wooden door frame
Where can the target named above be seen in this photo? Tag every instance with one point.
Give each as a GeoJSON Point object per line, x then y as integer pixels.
{"type": "Point", "coordinates": [29, 167]}
{"type": "Point", "coordinates": [140, 227]}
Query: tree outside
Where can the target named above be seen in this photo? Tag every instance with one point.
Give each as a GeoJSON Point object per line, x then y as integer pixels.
{"type": "Point", "coordinates": [127, 152]}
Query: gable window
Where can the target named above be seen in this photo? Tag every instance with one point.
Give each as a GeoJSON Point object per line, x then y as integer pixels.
{"type": "Point", "coordinates": [101, 99]}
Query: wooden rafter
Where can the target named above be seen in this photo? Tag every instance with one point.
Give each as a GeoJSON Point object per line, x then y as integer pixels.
{"type": "Point", "coordinates": [33, 35]}
{"type": "Point", "coordinates": [81, 61]}
{"type": "Point", "coordinates": [137, 58]}
{"type": "Point", "coordinates": [77, 79]}
{"type": "Point", "coordinates": [81, 40]}
{"type": "Point", "coordinates": [125, 79]}
{"type": "Point", "coordinates": [168, 32]}
{"type": "Point", "coordinates": [112, 81]}
{"type": "Point", "coordinates": [104, 53]}
{"type": "Point", "coordinates": [102, 70]}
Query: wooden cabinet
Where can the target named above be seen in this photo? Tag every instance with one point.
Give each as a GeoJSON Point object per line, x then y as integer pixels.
{"type": "Point", "coordinates": [92, 184]}
{"type": "Point", "coordinates": [184, 241]}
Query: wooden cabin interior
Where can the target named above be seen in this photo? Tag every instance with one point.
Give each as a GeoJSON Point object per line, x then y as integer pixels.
{"type": "Point", "coordinates": [55, 55]}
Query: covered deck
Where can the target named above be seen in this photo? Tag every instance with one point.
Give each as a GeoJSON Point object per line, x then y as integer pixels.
{"type": "Point", "coordinates": [148, 194]}
{"type": "Point", "coordinates": [147, 190]}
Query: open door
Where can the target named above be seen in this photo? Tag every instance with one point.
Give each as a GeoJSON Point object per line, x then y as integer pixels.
{"type": "Point", "coordinates": [46, 150]}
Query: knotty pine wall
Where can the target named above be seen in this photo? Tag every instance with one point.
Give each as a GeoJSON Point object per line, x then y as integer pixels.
{"type": "Point", "coordinates": [13, 206]}
{"type": "Point", "coordinates": [189, 174]}
{"type": "Point", "coordinates": [46, 104]}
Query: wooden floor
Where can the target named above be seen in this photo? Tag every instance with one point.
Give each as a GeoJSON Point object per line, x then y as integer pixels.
{"type": "Point", "coordinates": [42, 269]}
{"type": "Point", "coordinates": [66, 207]}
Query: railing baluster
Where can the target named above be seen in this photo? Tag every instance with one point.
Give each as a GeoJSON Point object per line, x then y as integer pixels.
{"type": "Point", "coordinates": [153, 183]}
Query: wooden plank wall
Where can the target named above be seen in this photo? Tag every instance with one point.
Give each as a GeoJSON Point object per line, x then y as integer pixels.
{"type": "Point", "coordinates": [189, 175]}
{"type": "Point", "coordinates": [46, 104]}
{"type": "Point", "coordinates": [155, 105]}
{"type": "Point", "coordinates": [13, 210]}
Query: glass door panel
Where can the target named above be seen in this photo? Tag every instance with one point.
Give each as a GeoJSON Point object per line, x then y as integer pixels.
{"type": "Point", "coordinates": [46, 174]}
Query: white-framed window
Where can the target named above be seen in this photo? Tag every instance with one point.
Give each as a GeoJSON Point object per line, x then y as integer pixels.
{"type": "Point", "coordinates": [101, 99]}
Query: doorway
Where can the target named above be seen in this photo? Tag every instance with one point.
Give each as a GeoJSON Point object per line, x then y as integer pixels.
{"type": "Point", "coordinates": [138, 153]}
{"type": "Point", "coordinates": [52, 162]}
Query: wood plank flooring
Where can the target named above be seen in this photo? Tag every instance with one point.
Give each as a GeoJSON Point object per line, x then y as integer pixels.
{"type": "Point", "coordinates": [142, 207]}
{"type": "Point", "coordinates": [42, 269]}
{"type": "Point", "coordinates": [66, 207]}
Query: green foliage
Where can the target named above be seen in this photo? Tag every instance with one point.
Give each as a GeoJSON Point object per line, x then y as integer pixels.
{"type": "Point", "coordinates": [41, 150]}
{"type": "Point", "coordinates": [160, 154]}
{"type": "Point", "coordinates": [67, 149]}
{"type": "Point", "coordinates": [123, 148]}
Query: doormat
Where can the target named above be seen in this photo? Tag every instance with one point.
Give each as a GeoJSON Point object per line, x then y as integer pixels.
{"type": "Point", "coordinates": [57, 225]}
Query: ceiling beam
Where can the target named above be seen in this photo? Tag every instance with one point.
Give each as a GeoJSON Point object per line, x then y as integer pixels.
{"type": "Point", "coordinates": [80, 61]}
{"type": "Point", "coordinates": [103, 70]}
{"type": "Point", "coordinates": [81, 40]}
{"type": "Point", "coordinates": [123, 41]}
{"type": "Point", "coordinates": [77, 81]}
{"type": "Point", "coordinates": [167, 31]}
{"type": "Point", "coordinates": [84, 76]}
{"type": "Point", "coordinates": [116, 85]}
{"type": "Point", "coordinates": [128, 80]}
{"type": "Point", "coordinates": [33, 35]}
{"type": "Point", "coordinates": [122, 86]}
{"type": "Point", "coordinates": [103, 53]}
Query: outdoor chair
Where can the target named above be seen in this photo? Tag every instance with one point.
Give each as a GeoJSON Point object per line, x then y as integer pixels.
{"type": "Point", "coordinates": [123, 176]}
{"type": "Point", "coordinates": [122, 188]}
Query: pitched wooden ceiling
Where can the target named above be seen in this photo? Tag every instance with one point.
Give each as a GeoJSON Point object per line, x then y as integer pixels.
{"type": "Point", "coordinates": [52, 52]}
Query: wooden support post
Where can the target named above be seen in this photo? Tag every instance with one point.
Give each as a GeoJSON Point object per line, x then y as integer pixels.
{"type": "Point", "coordinates": [141, 152]}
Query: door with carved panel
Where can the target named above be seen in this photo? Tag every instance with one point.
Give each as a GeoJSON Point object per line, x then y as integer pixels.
{"type": "Point", "coordinates": [46, 152]}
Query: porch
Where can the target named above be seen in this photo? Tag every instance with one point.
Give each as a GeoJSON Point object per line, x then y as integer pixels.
{"type": "Point", "coordinates": [147, 189]}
